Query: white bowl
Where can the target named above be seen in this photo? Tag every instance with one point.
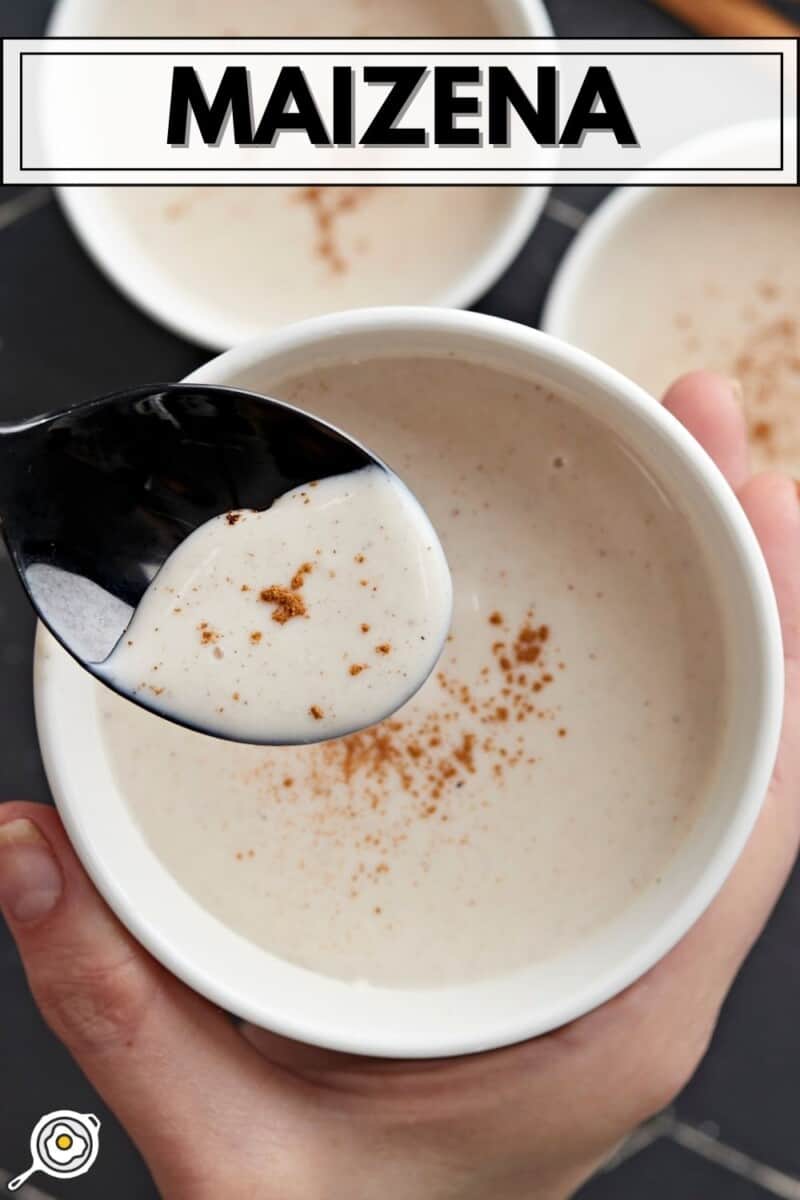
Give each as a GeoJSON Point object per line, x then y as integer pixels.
{"type": "Point", "coordinates": [175, 304]}
{"type": "Point", "coordinates": [424, 1022]}
{"type": "Point", "coordinates": [561, 315]}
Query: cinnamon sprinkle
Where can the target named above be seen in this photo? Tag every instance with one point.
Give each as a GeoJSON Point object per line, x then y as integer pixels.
{"type": "Point", "coordinates": [298, 579]}
{"type": "Point", "coordinates": [327, 205]}
{"type": "Point", "coordinates": [473, 731]}
{"type": "Point", "coordinates": [287, 603]}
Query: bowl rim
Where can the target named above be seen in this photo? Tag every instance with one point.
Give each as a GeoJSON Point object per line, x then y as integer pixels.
{"type": "Point", "coordinates": [172, 305]}
{"type": "Point", "coordinates": [334, 1030]}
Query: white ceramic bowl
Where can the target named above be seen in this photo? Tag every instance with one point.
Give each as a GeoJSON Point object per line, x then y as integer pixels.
{"type": "Point", "coordinates": [429, 1022]}
{"type": "Point", "coordinates": [176, 305]}
{"type": "Point", "coordinates": [588, 260]}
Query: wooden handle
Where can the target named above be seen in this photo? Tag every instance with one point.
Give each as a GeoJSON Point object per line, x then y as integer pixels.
{"type": "Point", "coordinates": [731, 18]}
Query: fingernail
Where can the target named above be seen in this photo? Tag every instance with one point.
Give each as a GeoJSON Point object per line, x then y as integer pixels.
{"type": "Point", "coordinates": [737, 389]}
{"type": "Point", "coordinates": [30, 878]}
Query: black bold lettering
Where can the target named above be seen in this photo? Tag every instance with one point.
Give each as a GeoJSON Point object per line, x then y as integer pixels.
{"type": "Point", "coordinates": [343, 133]}
{"type": "Point", "coordinates": [232, 98]}
{"type": "Point", "coordinates": [541, 120]}
{"type": "Point", "coordinates": [446, 106]}
{"type": "Point", "coordinates": [598, 88]}
{"type": "Point", "coordinates": [291, 86]}
{"type": "Point", "coordinates": [405, 81]}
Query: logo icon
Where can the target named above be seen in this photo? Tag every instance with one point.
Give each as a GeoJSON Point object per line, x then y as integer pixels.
{"type": "Point", "coordinates": [63, 1144]}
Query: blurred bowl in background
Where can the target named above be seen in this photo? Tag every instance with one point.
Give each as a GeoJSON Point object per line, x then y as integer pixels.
{"type": "Point", "coordinates": [220, 265]}
{"type": "Point", "coordinates": [664, 280]}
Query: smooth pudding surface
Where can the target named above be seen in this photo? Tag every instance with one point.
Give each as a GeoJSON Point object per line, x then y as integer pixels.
{"type": "Point", "coordinates": [706, 278]}
{"type": "Point", "coordinates": [548, 770]}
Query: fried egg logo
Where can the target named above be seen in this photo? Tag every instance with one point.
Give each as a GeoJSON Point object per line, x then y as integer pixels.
{"type": "Point", "coordinates": [63, 1144]}
{"type": "Point", "coordinates": [64, 1147]}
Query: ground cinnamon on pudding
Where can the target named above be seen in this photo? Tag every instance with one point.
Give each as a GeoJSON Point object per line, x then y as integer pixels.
{"type": "Point", "coordinates": [441, 759]}
{"type": "Point", "coordinates": [528, 646]}
{"type": "Point", "coordinates": [286, 600]}
{"type": "Point", "coordinates": [316, 712]}
{"type": "Point", "coordinates": [327, 205]}
{"type": "Point", "coordinates": [357, 668]}
{"type": "Point", "coordinates": [465, 753]}
{"type": "Point", "coordinates": [768, 367]}
{"type": "Point", "coordinates": [298, 579]}
{"type": "Point", "coordinates": [287, 603]}
{"type": "Point", "coordinates": [233, 517]}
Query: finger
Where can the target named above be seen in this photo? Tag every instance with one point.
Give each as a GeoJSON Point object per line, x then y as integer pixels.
{"type": "Point", "coordinates": [708, 405]}
{"type": "Point", "coordinates": [154, 1049]}
{"type": "Point", "coordinates": [771, 504]}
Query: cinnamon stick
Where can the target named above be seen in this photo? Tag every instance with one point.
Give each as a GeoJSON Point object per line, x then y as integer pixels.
{"type": "Point", "coordinates": [731, 18]}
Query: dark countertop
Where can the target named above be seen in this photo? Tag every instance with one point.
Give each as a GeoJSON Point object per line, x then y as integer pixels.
{"type": "Point", "coordinates": [66, 335]}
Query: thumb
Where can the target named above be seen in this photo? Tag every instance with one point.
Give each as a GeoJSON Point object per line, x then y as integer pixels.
{"type": "Point", "coordinates": [155, 1050]}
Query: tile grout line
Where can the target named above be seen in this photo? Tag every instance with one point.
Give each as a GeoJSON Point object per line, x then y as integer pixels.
{"type": "Point", "coordinates": [706, 1146]}
{"type": "Point", "coordinates": [31, 1193]}
{"type": "Point", "coordinates": [639, 1140]}
{"type": "Point", "coordinates": [736, 1161]}
{"type": "Point", "coordinates": [21, 206]}
{"type": "Point", "coordinates": [564, 213]}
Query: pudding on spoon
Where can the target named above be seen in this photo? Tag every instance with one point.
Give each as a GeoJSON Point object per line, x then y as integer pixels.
{"type": "Point", "coordinates": [226, 560]}
{"type": "Point", "coordinates": [319, 616]}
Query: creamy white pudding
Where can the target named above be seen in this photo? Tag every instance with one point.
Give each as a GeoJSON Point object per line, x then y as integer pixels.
{"type": "Point", "coordinates": [246, 258]}
{"type": "Point", "coordinates": [317, 617]}
{"type": "Point", "coordinates": [704, 277]}
{"type": "Point", "coordinates": [541, 780]}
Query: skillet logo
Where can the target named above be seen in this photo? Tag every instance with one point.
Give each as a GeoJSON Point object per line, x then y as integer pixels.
{"type": "Point", "coordinates": [64, 1144]}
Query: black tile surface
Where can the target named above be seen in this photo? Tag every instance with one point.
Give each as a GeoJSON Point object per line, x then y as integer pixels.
{"type": "Point", "coordinates": [665, 1171]}
{"type": "Point", "coordinates": [749, 1084]}
{"type": "Point", "coordinates": [66, 334]}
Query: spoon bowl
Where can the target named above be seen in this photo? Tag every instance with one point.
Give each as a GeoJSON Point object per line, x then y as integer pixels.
{"type": "Point", "coordinates": [95, 498]}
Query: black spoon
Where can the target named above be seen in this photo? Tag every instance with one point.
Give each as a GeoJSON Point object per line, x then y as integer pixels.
{"type": "Point", "coordinates": [93, 499]}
